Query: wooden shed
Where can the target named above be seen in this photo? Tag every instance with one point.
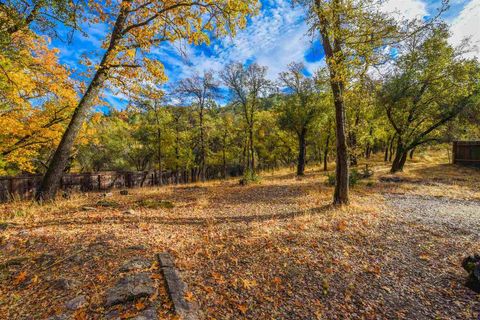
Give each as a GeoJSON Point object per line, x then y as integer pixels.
{"type": "Point", "coordinates": [466, 153]}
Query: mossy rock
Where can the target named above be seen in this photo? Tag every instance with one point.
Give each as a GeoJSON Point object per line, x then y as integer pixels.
{"type": "Point", "coordinates": [155, 204]}
{"type": "Point", "coordinates": [107, 204]}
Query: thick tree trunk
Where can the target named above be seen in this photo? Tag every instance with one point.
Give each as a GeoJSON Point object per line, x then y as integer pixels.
{"type": "Point", "coordinates": [400, 157]}
{"type": "Point", "coordinates": [302, 150]}
{"type": "Point", "coordinates": [51, 180]}
{"type": "Point", "coordinates": [332, 47]}
{"type": "Point", "coordinates": [341, 169]}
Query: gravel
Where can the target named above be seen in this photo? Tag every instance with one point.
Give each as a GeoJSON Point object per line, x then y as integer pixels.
{"type": "Point", "coordinates": [461, 216]}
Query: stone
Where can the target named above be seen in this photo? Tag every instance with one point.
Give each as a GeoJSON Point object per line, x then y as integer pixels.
{"type": "Point", "coordinates": [76, 303]}
{"type": "Point", "coordinates": [176, 288]}
{"type": "Point", "coordinates": [471, 264]}
{"type": "Point", "coordinates": [124, 192]}
{"type": "Point", "coordinates": [108, 204]}
{"type": "Point", "coordinates": [64, 284]}
{"type": "Point", "coordinates": [129, 211]}
{"type": "Point", "coordinates": [129, 288]}
{"type": "Point", "coordinates": [147, 314]}
{"type": "Point", "coordinates": [135, 264]}
{"type": "Point", "coordinates": [113, 315]}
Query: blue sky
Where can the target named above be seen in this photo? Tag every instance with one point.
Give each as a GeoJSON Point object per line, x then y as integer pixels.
{"type": "Point", "coordinates": [274, 38]}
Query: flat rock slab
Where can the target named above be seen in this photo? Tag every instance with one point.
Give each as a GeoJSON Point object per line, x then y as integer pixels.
{"type": "Point", "coordinates": [135, 264]}
{"type": "Point", "coordinates": [76, 303]}
{"type": "Point", "coordinates": [147, 314]}
{"type": "Point", "coordinates": [129, 288]}
{"type": "Point", "coordinates": [176, 288]}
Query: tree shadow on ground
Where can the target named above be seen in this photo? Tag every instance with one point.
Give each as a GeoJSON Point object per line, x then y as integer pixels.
{"type": "Point", "coordinates": [162, 220]}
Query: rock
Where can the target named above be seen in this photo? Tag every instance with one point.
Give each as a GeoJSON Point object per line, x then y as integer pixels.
{"type": "Point", "coordinates": [107, 194]}
{"type": "Point", "coordinates": [129, 211]}
{"type": "Point", "coordinates": [471, 264]}
{"type": "Point", "coordinates": [113, 315]}
{"type": "Point", "coordinates": [129, 288]}
{"type": "Point", "coordinates": [105, 203]}
{"type": "Point", "coordinates": [124, 192]}
{"type": "Point", "coordinates": [76, 303]}
{"type": "Point", "coordinates": [64, 284]}
{"type": "Point", "coordinates": [135, 264]}
{"type": "Point", "coordinates": [147, 314]}
{"type": "Point", "coordinates": [86, 208]}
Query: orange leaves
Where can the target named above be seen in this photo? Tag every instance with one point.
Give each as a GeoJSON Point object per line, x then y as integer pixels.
{"type": "Point", "coordinates": [248, 284]}
{"type": "Point", "coordinates": [341, 226]}
{"type": "Point", "coordinates": [242, 308]}
{"type": "Point", "coordinates": [20, 278]}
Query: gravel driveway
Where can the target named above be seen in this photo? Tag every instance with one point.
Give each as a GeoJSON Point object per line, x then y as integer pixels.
{"type": "Point", "coordinates": [455, 215]}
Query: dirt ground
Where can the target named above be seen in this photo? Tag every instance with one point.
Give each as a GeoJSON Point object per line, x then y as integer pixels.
{"type": "Point", "coordinates": [273, 250]}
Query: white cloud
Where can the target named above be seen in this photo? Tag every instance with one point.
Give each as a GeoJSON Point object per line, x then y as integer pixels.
{"type": "Point", "coordinates": [406, 9]}
{"type": "Point", "coordinates": [274, 38]}
{"type": "Point", "coordinates": [467, 25]}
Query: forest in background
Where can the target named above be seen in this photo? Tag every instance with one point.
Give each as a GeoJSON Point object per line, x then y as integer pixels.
{"type": "Point", "coordinates": [395, 88]}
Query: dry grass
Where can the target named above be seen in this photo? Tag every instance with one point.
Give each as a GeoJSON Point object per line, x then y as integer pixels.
{"type": "Point", "coordinates": [276, 249]}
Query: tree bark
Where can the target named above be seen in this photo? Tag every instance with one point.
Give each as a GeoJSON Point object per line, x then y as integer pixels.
{"type": "Point", "coordinates": [333, 51]}
{"type": "Point", "coordinates": [325, 153]}
{"type": "Point", "coordinates": [51, 180]}
{"type": "Point", "coordinates": [202, 146]}
{"type": "Point", "coordinates": [302, 150]}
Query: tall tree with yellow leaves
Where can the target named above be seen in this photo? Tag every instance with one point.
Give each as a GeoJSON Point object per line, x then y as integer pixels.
{"type": "Point", "coordinates": [136, 26]}
{"type": "Point", "coordinates": [36, 99]}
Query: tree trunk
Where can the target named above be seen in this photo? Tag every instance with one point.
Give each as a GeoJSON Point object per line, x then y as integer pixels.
{"type": "Point", "coordinates": [411, 153]}
{"type": "Point", "coordinates": [332, 47]}
{"type": "Point", "coordinates": [252, 153]}
{"type": "Point", "coordinates": [302, 150]}
{"type": "Point", "coordinates": [385, 158]}
{"type": "Point", "coordinates": [325, 153]}
{"type": "Point", "coordinates": [202, 147]}
{"type": "Point", "coordinates": [51, 180]}
{"type": "Point", "coordinates": [341, 169]}
{"type": "Point", "coordinates": [400, 157]}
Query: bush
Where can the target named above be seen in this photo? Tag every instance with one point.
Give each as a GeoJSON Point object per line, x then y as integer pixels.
{"type": "Point", "coordinates": [249, 177]}
{"type": "Point", "coordinates": [353, 178]}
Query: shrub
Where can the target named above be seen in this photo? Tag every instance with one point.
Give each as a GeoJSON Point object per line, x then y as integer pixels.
{"type": "Point", "coordinates": [249, 177]}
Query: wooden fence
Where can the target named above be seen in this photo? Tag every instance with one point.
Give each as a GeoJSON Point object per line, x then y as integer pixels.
{"type": "Point", "coordinates": [25, 186]}
{"type": "Point", "coordinates": [466, 152]}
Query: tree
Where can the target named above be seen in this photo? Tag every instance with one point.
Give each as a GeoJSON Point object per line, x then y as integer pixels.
{"type": "Point", "coordinates": [202, 91]}
{"type": "Point", "coordinates": [300, 108]}
{"type": "Point", "coordinates": [36, 99]}
{"type": "Point", "coordinates": [135, 27]}
{"type": "Point", "coordinates": [247, 86]}
{"type": "Point", "coordinates": [430, 84]}
{"type": "Point", "coordinates": [350, 30]}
